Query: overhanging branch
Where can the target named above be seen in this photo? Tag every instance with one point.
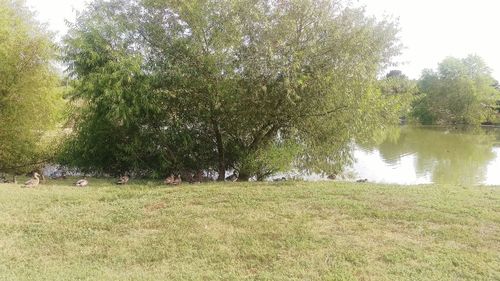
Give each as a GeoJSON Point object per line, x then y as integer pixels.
{"type": "Point", "coordinates": [325, 113]}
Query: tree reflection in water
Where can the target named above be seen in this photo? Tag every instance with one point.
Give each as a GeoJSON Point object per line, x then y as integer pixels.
{"type": "Point", "coordinates": [447, 155]}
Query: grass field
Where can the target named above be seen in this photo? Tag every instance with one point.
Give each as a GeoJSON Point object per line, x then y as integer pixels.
{"type": "Point", "coordinates": [253, 231]}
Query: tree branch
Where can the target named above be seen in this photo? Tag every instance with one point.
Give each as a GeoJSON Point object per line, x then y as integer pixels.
{"type": "Point", "coordinates": [264, 136]}
{"type": "Point", "coordinates": [325, 113]}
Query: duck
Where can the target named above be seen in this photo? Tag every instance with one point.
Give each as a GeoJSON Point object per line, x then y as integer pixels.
{"type": "Point", "coordinates": [33, 182]}
{"type": "Point", "coordinates": [177, 180]}
{"type": "Point", "coordinates": [82, 183]}
{"type": "Point", "coordinates": [332, 177]}
{"type": "Point", "coordinates": [362, 180]}
{"type": "Point", "coordinates": [123, 180]}
{"type": "Point", "coordinates": [169, 180]}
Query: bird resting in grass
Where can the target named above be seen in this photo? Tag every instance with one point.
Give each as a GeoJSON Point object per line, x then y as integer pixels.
{"type": "Point", "coordinates": [34, 182]}
{"type": "Point", "coordinates": [123, 180]}
{"type": "Point", "coordinates": [82, 183]}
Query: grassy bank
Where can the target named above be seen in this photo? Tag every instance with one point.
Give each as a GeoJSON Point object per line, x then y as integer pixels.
{"type": "Point", "coordinates": [286, 231]}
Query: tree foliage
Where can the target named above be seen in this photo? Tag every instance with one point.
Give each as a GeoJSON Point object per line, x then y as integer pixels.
{"type": "Point", "coordinates": [397, 88]}
{"type": "Point", "coordinates": [461, 91]}
{"type": "Point", "coordinates": [164, 86]}
{"type": "Point", "coordinates": [29, 90]}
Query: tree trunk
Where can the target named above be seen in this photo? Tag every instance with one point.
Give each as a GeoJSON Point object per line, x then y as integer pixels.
{"type": "Point", "coordinates": [220, 153]}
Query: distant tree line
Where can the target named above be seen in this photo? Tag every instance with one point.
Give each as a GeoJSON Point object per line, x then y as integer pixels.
{"type": "Point", "coordinates": [461, 91]}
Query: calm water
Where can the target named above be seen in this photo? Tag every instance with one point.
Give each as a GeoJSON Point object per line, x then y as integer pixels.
{"type": "Point", "coordinates": [431, 155]}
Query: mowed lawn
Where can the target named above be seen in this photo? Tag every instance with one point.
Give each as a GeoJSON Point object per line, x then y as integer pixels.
{"type": "Point", "coordinates": [252, 231]}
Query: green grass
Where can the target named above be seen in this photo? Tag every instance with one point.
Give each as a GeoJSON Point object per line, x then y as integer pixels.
{"type": "Point", "coordinates": [253, 231]}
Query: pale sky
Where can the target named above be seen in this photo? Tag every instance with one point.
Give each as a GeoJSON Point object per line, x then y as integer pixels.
{"type": "Point", "coordinates": [431, 30]}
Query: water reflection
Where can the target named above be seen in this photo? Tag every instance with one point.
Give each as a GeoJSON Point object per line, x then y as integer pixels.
{"type": "Point", "coordinates": [426, 155]}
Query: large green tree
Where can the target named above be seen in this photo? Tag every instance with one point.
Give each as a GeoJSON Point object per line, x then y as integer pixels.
{"type": "Point", "coordinates": [461, 91]}
{"type": "Point", "coordinates": [29, 88]}
{"type": "Point", "coordinates": [226, 84]}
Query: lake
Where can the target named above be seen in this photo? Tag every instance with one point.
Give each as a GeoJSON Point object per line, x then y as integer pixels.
{"type": "Point", "coordinates": [421, 155]}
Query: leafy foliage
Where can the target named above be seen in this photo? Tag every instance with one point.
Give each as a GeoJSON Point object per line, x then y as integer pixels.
{"type": "Point", "coordinates": [30, 96]}
{"type": "Point", "coordinates": [461, 91]}
{"type": "Point", "coordinates": [400, 90]}
{"type": "Point", "coordinates": [164, 86]}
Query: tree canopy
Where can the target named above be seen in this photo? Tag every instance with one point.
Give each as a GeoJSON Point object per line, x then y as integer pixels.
{"type": "Point", "coordinates": [29, 93]}
{"type": "Point", "coordinates": [397, 87]}
{"type": "Point", "coordinates": [165, 86]}
{"type": "Point", "coordinates": [461, 91]}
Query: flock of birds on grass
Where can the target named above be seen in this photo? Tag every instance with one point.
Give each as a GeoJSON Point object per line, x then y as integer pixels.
{"type": "Point", "coordinates": [171, 180]}
{"type": "Point", "coordinates": [35, 181]}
